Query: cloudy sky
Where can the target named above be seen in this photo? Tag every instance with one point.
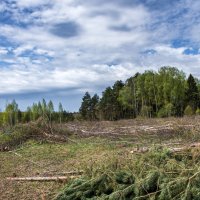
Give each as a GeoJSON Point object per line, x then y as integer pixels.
{"type": "Point", "coordinates": [59, 49]}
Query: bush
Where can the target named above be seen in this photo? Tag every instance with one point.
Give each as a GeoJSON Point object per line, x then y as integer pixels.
{"type": "Point", "coordinates": [146, 111]}
{"type": "Point", "coordinates": [198, 111]}
{"type": "Point", "coordinates": [162, 113]}
{"type": "Point", "coordinates": [166, 111]}
{"type": "Point", "coordinates": [17, 135]}
{"type": "Point", "coordinates": [188, 111]}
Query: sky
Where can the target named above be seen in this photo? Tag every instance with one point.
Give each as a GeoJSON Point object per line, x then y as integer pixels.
{"type": "Point", "coordinates": [59, 49]}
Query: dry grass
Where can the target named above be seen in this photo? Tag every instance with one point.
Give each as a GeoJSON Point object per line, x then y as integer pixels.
{"type": "Point", "coordinates": [89, 153]}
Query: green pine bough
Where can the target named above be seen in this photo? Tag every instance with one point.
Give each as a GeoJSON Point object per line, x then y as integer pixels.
{"type": "Point", "coordinates": [155, 176]}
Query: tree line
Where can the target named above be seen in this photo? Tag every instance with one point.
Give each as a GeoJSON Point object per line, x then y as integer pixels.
{"type": "Point", "coordinates": [13, 115]}
{"type": "Point", "coordinates": [167, 92]}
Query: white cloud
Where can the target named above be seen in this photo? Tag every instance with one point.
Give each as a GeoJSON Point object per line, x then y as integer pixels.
{"type": "Point", "coordinates": [3, 51]}
{"type": "Point", "coordinates": [22, 79]}
{"type": "Point", "coordinates": [99, 54]}
{"type": "Point", "coordinates": [21, 49]}
{"type": "Point", "coordinates": [31, 3]}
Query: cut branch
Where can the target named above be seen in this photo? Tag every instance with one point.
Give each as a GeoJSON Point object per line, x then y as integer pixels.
{"type": "Point", "coordinates": [53, 178]}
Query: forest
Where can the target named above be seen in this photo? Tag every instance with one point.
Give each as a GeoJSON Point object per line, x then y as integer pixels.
{"type": "Point", "coordinates": [139, 140]}
{"type": "Point", "coordinates": [13, 115]}
{"type": "Point", "coordinates": [165, 93]}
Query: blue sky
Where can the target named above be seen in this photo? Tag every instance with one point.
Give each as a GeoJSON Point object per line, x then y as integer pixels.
{"type": "Point", "coordinates": [59, 49]}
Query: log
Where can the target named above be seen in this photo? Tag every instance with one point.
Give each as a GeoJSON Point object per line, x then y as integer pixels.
{"type": "Point", "coordinates": [172, 149]}
{"type": "Point", "coordinates": [37, 178]}
{"type": "Point", "coordinates": [50, 173]}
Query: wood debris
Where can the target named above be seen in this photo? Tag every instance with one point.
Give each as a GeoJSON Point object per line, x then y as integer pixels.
{"type": "Point", "coordinates": [37, 178]}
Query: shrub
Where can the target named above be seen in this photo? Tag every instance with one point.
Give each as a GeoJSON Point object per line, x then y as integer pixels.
{"type": "Point", "coordinates": [146, 111]}
{"type": "Point", "coordinates": [162, 113]}
{"type": "Point", "coordinates": [188, 111]}
{"type": "Point", "coordinates": [198, 111]}
{"type": "Point", "coordinates": [166, 111]}
{"type": "Point", "coordinates": [17, 135]}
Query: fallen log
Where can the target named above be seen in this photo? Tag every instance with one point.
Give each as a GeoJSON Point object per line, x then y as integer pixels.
{"type": "Point", "coordinates": [50, 173]}
{"type": "Point", "coordinates": [53, 178]}
{"type": "Point", "coordinates": [172, 149]}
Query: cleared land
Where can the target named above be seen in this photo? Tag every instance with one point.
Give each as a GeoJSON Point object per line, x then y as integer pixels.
{"type": "Point", "coordinates": [94, 147]}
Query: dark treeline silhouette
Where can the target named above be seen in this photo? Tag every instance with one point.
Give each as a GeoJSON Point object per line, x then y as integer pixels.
{"type": "Point", "coordinates": [13, 115]}
{"type": "Point", "coordinates": [151, 94]}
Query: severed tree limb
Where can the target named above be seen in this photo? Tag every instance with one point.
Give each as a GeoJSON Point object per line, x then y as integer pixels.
{"type": "Point", "coordinates": [49, 173]}
{"type": "Point", "coordinates": [35, 178]}
{"type": "Point", "coordinates": [172, 149]}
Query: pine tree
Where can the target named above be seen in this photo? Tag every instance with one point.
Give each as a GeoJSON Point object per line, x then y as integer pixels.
{"type": "Point", "coordinates": [94, 103]}
{"type": "Point", "coordinates": [192, 93]}
{"type": "Point", "coordinates": [85, 109]}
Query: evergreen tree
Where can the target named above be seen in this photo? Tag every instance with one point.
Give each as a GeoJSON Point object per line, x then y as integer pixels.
{"type": "Point", "coordinates": [94, 104]}
{"type": "Point", "coordinates": [192, 93]}
{"type": "Point", "coordinates": [85, 109]}
{"type": "Point", "coordinates": [118, 107]}
{"type": "Point", "coordinates": [106, 105]}
{"type": "Point", "coordinates": [110, 106]}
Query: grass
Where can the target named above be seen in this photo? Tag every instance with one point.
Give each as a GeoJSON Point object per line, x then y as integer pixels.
{"type": "Point", "coordinates": [93, 154]}
{"type": "Point", "coordinates": [40, 158]}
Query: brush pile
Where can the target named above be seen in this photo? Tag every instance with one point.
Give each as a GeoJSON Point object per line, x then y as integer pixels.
{"type": "Point", "coordinates": [159, 175]}
{"type": "Point", "coordinates": [15, 136]}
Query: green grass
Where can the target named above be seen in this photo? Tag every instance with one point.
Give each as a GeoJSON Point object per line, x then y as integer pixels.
{"type": "Point", "coordinates": [40, 158]}
{"type": "Point", "coordinates": [95, 155]}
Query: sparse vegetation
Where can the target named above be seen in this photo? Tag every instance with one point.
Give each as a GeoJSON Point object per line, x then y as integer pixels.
{"type": "Point", "coordinates": [130, 159]}
{"type": "Point", "coordinates": [144, 158]}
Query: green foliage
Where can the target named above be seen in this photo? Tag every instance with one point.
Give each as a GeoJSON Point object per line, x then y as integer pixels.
{"type": "Point", "coordinates": [88, 109]}
{"type": "Point", "coordinates": [102, 187]}
{"type": "Point", "coordinates": [192, 93]}
{"type": "Point", "coordinates": [159, 176]}
{"type": "Point", "coordinates": [150, 183]}
{"type": "Point", "coordinates": [82, 189]}
{"type": "Point", "coordinates": [173, 189]}
{"type": "Point", "coordinates": [162, 113]}
{"type": "Point", "coordinates": [123, 177]}
{"type": "Point", "coordinates": [166, 111]}
{"type": "Point", "coordinates": [164, 93]}
{"type": "Point", "coordinates": [198, 111]}
{"type": "Point", "coordinates": [146, 111]}
{"type": "Point", "coordinates": [17, 136]}
{"type": "Point", "coordinates": [11, 115]}
{"type": "Point", "coordinates": [110, 104]}
{"type": "Point", "coordinates": [188, 111]}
